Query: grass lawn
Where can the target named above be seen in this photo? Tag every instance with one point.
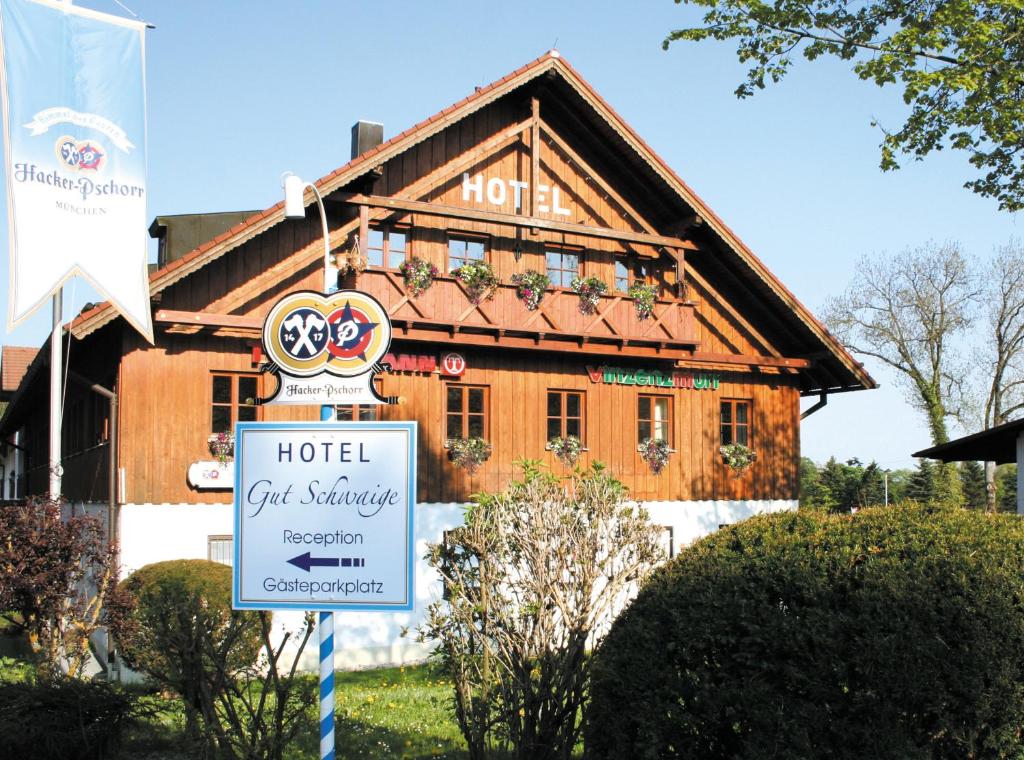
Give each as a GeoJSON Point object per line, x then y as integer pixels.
{"type": "Point", "coordinates": [388, 713]}
{"type": "Point", "coordinates": [395, 713]}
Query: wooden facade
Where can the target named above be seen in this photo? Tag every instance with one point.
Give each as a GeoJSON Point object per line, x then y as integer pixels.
{"type": "Point", "coordinates": [532, 166]}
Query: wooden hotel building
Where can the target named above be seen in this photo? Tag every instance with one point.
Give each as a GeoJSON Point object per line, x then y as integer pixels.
{"type": "Point", "coordinates": [533, 172]}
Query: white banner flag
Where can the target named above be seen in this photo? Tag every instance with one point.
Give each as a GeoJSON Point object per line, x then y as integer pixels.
{"type": "Point", "coordinates": [72, 83]}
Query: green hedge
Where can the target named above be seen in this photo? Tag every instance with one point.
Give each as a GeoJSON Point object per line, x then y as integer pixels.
{"type": "Point", "coordinates": [894, 633]}
{"type": "Point", "coordinates": [67, 719]}
{"type": "Point", "coordinates": [169, 618]}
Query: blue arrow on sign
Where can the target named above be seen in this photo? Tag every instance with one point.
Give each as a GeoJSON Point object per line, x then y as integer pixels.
{"type": "Point", "coordinates": [305, 561]}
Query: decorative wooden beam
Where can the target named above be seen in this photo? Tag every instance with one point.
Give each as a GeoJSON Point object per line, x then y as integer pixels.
{"type": "Point", "coordinates": [706, 357]}
{"type": "Point", "coordinates": [549, 340]}
{"type": "Point", "coordinates": [534, 157]}
{"type": "Point", "coordinates": [513, 220]}
{"type": "Point", "coordinates": [203, 319]}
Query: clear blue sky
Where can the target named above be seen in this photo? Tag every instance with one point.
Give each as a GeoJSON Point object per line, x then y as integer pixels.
{"type": "Point", "coordinates": [239, 92]}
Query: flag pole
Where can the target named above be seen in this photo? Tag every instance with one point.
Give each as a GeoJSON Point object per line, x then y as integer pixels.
{"type": "Point", "coordinates": [56, 397]}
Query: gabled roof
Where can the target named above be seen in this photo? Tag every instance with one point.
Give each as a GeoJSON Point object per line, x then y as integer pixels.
{"type": "Point", "coordinates": [14, 362]}
{"type": "Point", "coordinates": [550, 66]}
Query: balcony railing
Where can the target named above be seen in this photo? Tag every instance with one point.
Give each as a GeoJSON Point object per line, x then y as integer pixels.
{"type": "Point", "coordinates": [447, 304]}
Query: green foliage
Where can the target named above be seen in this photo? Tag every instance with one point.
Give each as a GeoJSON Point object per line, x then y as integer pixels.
{"type": "Point", "coordinates": [173, 621]}
{"type": "Point", "coordinates": [893, 633]}
{"type": "Point", "coordinates": [589, 290]}
{"type": "Point", "coordinates": [737, 457]}
{"type": "Point", "coordinates": [1006, 488]}
{"type": "Point", "coordinates": [972, 482]}
{"type": "Point", "coordinates": [655, 452]}
{"type": "Point", "coordinates": [567, 449]}
{"type": "Point", "coordinates": [959, 65]}
{"type": "Point", "coordinates": [162, 613]}
{"type": "Point", "coordinates": [530, 287]}
{"type": "Point", "coordinates": [532, 579]}
{"type": "Point", "coordinates": [468, 453]}
{"type": "Point", "coordinates": [479, 279]}
{"type": "Point", "coordinates": [922, 485]}
{"type": "Point", "coordinates": [643, 296]}
{"type": "Point", "coordinates": [838, 487]}
{"type": "Point", "coordinates": [67, 719]}
{"type": "Point", "coordinates": [418, 275]}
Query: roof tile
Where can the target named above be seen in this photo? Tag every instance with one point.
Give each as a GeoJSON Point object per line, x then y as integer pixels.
{"type": "Point", "coordinates": [14, 362]}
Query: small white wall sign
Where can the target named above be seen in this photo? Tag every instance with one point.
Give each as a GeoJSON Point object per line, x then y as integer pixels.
{"type": "Point", "coordinates": [324, 515]}
{"type": "Point", "coordinates": [211, 475]}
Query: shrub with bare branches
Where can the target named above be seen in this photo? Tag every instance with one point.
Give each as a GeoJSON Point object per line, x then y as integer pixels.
{"type": "Point", "coordinates": [532, 579]}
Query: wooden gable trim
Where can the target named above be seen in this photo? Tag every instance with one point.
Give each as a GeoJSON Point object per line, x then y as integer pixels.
{"type": "Point", "coordinates": [551, 61]}
{"type": "Point", "coordinates": [258, 223]}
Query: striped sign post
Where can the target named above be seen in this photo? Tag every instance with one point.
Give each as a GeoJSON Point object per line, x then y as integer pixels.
{"type": "Point", "coordinates": [326, 685]}
{"type": "Point", "coordinates": [326, 630]}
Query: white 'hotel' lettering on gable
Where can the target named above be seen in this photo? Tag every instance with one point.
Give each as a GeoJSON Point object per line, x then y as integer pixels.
{"type": "Point", "coordinates": [495, 192]}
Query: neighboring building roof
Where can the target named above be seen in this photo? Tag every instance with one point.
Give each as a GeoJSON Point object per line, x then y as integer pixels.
{"type": "Point", "coordinates": [998, 444]}
{"type": "Point", "coordinates": [844, 371]}
{"type": "Point", "coordinates": [14, 362]}
{"type": "Point", "coordinates": [180, 233]}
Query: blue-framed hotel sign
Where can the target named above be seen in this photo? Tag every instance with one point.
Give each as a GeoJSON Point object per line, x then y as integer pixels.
{"type": "Point", "coordinates": [324, 515]}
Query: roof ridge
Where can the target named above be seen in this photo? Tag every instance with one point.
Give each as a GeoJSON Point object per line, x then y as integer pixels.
{"type": "Point", "coordinates": [362, 158]}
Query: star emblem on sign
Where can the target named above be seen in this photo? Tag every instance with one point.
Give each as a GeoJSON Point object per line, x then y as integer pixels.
{"type": "Point", "coordinates": [351, 331]}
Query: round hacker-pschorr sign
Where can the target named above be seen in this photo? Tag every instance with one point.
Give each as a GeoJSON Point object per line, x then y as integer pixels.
{"type": "Point", "coordinates": [326, 348]}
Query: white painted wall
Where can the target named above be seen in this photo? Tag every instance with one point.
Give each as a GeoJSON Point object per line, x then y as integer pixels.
{"type": "Point", "coordinates": [158, 532]}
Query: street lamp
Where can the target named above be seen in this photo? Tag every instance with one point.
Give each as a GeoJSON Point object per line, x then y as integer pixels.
{"type": "Point", "coordinates": [295, 208]}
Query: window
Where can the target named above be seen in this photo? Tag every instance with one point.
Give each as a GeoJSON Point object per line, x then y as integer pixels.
{"type": "Point", "coordinates": [562, 265]}
{"type": "Point", "coordinates": [464, 250]}
{"type": "Point", "coordinates": [357, 412]}
{"type": "Point", "coordinates": [233, 398]}
{"type": "Point", "coordinates": [735, 422]}
{"type": "Point", "coordinates": [387, 247]}
{"type": "Point", "coordinates": [629, 271]}
{"type": "Point", "coordinates": [220, 549]}
{"type": "Point", "coordinates": [667, 539]}
{"type": "Point", "coordinates": [621, 274]}
{"type": "Point", "coordinates": [466, 408]}
{"type": "Point", "coordinates": [565, 414]}
{"type": "Point", "coordinates": [654, 418]}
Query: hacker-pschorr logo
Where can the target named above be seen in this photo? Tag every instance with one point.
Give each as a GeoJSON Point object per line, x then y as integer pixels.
{"type": "Point", "coordinates": [326, 349]}
{"type": "Point", "coordinates": [80, 155]}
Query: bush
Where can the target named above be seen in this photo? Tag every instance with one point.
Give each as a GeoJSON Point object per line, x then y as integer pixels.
{"type": "Point", "coordinates": [69, 719]}
{"type": "Point", "coordinates": [894, 633]}
{"type": "Point", "coordinates": [173, 621]}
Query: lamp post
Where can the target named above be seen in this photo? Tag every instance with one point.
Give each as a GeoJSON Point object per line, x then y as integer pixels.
{"type": "Point", "coordinates": [295, 208]}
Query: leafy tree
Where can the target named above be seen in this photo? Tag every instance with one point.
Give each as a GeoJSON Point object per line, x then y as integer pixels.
{"type": "Point", "coordinates": [1002, 299]}
{"type": "Point", "coordinates": [1007, 488]}
{"type": "Point", "coordinates": [898, 483]}
{"type": "Point", "coordinates": [972, 481]}
{"type": "Point", "coordinates": [54, 577]}
{"type": "Point", "coordinates": [907, 311]}
{"type": "Point", "coordinates": [871, 489]}
{"type": "Point", "coordinates": [808, 481]}
{"type": "Point", "coordinates": [922, 484]}
{"type": "Point", "coordinates": [959, 64]}
{"type": "Point", "coordinates": [532, 580]}
{"type": "Point", "coordinates": [840, 485]}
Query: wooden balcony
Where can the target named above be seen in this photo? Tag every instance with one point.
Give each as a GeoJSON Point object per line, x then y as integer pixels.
{"type": "Point", "coordinates": [557, 322]}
